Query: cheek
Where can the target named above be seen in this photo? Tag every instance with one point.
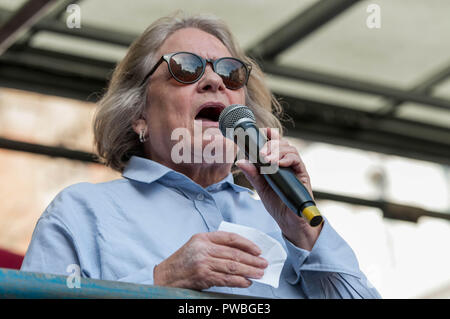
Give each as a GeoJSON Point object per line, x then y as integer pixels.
{"type": "Point", "coordinates": [170, 111]}
{"type": "Point", "coordinates": [238, 97]}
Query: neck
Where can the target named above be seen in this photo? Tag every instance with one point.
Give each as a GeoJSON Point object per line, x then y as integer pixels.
{"type": "Point", "coordinates": [204, 174]}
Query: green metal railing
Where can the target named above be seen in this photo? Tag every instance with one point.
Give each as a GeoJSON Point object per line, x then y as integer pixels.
{"type": "Point", "coordinates": [29, 285]}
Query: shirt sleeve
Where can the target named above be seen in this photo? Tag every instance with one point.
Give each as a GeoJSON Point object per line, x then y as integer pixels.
{"type": "Point", "coordinates": [330, 269]}
{"type": "Point", "coordinates": [52, 248]}
{"type": "Point", "coordinates": [143, 276]}
{"type": "Point", "coordinates": [67, 234]}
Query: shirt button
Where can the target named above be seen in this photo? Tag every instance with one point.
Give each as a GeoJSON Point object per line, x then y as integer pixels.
{"type": "Point", "coordinates": [200, 197]}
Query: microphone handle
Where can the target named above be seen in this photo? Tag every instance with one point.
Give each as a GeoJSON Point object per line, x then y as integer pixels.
{"type": "Point", "coordinates": [284, 182]}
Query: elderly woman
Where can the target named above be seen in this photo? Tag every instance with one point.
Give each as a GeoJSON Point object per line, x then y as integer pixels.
{"type": "Point", "coordinates": [159, 224]}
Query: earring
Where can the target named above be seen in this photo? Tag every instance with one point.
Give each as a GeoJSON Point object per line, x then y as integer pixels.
{"type": "Point", "coordinates": [142, 137]}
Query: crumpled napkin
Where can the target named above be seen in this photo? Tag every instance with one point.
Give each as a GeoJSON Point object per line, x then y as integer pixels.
{"type": "Point", "coordinates": [271, 249]}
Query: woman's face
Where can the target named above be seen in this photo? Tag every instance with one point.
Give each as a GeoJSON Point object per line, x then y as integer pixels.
{"type": "Point", "coordinates": [172, 105]}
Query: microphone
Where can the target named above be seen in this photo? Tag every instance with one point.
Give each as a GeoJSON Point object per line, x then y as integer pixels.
{"type": "Point", "coordinates": [237, 119]}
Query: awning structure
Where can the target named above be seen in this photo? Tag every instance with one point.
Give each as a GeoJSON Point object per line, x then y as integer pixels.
{"type": "Point", "coordinates": [385, 90]}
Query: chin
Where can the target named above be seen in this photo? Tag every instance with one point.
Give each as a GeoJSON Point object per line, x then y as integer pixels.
{"type": "Point", "coordinates": [215, 148]}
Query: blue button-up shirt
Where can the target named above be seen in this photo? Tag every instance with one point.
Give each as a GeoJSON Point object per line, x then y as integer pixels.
{"type": "Point", "coordinates": [120, 230]}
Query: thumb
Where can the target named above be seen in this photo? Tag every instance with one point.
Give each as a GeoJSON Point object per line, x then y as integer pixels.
{"type": "Point", "coordinates": [246, 167]}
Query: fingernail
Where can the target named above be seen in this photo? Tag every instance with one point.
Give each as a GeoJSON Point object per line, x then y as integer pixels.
{"type": "Point", "coordinates": [263, 262]}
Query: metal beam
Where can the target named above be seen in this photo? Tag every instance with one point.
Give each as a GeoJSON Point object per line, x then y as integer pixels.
{"type": "Point", "coordinates": [54, 15]}
{"type": "Point", "coordinates": [116, 37]}
{"type": "Point", "coordinates": [346, 83]}
{"type": "Point", "coordinates": [26, 16]}
{"type": "Point", "coordinates": [335, 124]}
{"type": "Point", "coordinates": [389, 209]}
{"type": "Point", "coordinates": [51, 151]}
{"type": "Point", "coordinates": [50, 83]}
{"type": "Point", "coordinates": [425, 87]}
{"type": "Point", "coordinates": [54, 73]}
{"type": "Point", "coordinates": [299, 27]}
{"type": "Point", "coordinates": [104, 67]}
{"type": "Point", "coordinates": [60, 62]}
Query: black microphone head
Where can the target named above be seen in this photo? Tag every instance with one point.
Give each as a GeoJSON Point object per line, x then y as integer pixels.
{"type": "Point", "coordinates": [234, 114]}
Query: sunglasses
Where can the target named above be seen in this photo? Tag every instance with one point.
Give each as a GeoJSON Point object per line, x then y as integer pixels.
{"type": "Point", "coordinates": [187, 68]}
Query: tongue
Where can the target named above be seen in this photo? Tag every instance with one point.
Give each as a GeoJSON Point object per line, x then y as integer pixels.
{"type": "Point", "coordinates": [208, 114]}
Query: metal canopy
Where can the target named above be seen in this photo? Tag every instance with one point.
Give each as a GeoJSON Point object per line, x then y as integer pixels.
{"type": "Point", "coordinates": [44, 69]}
{"type": "Point", "coordinates": [23, 18]}
{"type": "Point", "coordinates": [300, 26]}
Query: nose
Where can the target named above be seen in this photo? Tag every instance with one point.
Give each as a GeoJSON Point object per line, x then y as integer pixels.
{"type": "Point", "coordinates": [210, 81]}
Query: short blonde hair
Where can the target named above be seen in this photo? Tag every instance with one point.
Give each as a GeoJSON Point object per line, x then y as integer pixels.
{"type": "Point", "coordinates": [125, 99]}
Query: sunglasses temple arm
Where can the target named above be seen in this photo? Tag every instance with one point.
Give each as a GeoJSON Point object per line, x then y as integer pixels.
{"type": "Point", "coordinates": [152, 70]}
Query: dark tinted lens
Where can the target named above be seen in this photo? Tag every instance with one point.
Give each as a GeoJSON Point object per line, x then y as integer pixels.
{"type": "Point", "coordinates": [186, 67]}
{"type": "Point", "coordinates": [233, 73]}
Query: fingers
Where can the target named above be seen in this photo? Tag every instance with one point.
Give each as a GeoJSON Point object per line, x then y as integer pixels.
{"type": "Point", "coordinates": [237, 255]}
{"type": "Point", "coordinates": [296, 164]}
{"type": "Point", "coordinates": [290, 159]}
{"type": "Point", "coordinates": [281, 152]}
{"type": "Point", "coordinates": [234, 268]}
{"type": "Point", "coordinates": [230, 259]}
{"type": "Point", "coordinates": [276, 151]}
{"type": "Point", "coordinates": [253, 175]}
{"type": "Point", "coordinates": [234, 240]}
{"type": "Point", "coordinates": [272, 133]}
{"type": "Point", "coordinates": [275, 147]}
{"type": "Point", "coordinates": [226, 280]}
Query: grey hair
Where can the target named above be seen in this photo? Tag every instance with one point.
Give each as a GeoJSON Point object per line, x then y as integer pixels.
{"type": "Point", "coordinates": [124, 101]}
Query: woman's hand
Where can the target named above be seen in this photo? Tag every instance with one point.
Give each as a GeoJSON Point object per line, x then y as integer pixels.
{"type": "Point", "coordinates": [211, 259]}
{"type": "Point", "coordinates": [295, 228]}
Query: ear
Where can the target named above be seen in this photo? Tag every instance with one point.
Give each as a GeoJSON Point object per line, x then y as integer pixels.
{"type": "Point", "coordinates": [139, 125]}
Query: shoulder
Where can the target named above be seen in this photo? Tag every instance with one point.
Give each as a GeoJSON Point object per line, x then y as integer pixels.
{"type": "Point", "coordinates": [82, 201]}
{"type": "Point", "coordinates": [87, 192]}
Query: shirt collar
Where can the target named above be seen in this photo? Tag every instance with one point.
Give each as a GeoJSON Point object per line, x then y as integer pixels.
{"type": "Point", "coordinates": [147, 171]}
{"type": "Point", "coordinates": [144, 170]}
{"type": "Point", "coordinates": [229, 180]}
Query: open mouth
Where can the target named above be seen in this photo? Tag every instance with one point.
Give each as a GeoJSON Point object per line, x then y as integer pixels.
{"type": "Point", "coordinates": [209, 113]}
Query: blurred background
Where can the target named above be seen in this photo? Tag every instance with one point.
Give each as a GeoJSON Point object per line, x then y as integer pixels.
{"type": "Point", "coordinates": [367, 89]}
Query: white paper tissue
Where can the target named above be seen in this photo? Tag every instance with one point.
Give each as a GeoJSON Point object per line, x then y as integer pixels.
{"type": "Point", "coordinates": [271, 249]}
